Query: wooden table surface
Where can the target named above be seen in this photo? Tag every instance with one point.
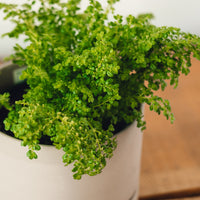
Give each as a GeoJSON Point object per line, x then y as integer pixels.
{"type": "Point", "coordinates": [171, 153]}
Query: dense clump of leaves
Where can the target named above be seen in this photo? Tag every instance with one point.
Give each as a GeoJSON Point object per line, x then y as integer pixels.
{"type": "Point", "coordinates": [4, 101]}
{"type": "Point", "coordinates": [86, 74]}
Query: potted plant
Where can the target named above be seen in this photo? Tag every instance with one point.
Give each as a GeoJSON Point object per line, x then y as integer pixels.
{"type": "Point", "coordinates": [87, 79]}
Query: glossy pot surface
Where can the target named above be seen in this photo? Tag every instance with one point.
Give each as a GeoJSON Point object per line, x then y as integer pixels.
{"type": "Point", "coordinates": [46, 178]}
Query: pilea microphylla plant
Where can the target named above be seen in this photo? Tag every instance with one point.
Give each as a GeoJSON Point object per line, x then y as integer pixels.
{"type": "Point", "coordinates": [88, 76]}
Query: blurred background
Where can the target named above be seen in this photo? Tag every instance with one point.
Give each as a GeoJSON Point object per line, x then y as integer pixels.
{"type": "Point", "coordinates": [171, 153]}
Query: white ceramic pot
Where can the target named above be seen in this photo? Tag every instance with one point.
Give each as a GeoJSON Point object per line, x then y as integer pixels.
{"type": "Point", "coordinates": [46, 178]}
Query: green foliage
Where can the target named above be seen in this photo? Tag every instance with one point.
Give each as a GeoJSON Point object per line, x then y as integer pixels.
{"type": "Point", "coordinates": [87, 74]}
{"type": "Point", "coordinates": [4, 101]}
